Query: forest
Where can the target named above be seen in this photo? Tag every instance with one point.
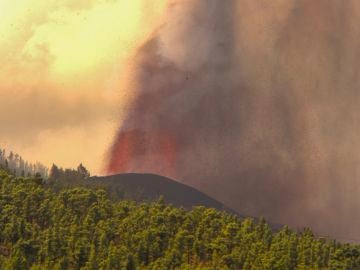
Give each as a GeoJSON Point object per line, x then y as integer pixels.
{"type": "Point", "coordinates": [81, 228]}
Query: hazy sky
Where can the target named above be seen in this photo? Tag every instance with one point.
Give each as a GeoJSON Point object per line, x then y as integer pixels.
{"type": "Point", "coordinates": [62, 63]}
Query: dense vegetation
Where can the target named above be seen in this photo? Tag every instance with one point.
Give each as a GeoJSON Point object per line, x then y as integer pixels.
{"type": "Point", "coordinates": [80, 228]}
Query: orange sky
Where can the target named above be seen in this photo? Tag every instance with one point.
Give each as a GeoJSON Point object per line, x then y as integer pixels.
{"type": "Point", "coordinates": [60, 76]}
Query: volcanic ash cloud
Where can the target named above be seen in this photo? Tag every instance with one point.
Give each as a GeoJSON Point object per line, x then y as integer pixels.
{"type": "Point", "coordinates": [254, 103]}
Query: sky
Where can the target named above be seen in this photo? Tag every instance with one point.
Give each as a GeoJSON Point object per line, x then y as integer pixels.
{"type": "Point", "coordinates": [62, 63]}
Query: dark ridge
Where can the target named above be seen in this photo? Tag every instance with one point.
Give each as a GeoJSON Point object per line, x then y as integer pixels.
{"type": "Point", "coordinates": [142, 187]}
{"type": "Point", "coordinates": [146, 187]}
{"type": "Point", "coordinates": [149, 187]}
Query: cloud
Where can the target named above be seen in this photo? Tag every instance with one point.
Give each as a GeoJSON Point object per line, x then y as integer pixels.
{"type": "Point", "coordinates": [61, 68]}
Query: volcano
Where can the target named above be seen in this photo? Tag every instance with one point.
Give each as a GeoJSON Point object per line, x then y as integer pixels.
{"type": "Point", "coordinates": [254, 103]}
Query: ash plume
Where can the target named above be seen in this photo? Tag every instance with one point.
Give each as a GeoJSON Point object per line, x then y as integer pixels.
{"type": "Point", "coordinates": [255, 103]}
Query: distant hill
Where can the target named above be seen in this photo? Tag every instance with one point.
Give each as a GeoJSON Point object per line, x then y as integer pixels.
{"type": "Point", "coordinates": [149, 187]}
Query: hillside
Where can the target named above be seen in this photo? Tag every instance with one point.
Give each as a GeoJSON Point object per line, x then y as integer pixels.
{"type": "Point", "coordinates": [81, 228]}
{"type": "Point", "coordinates": [149, 187]}
{"type": "Point", "coordinates": [145, 188]}
{"type": "Point", "coordinates": [138, 187]}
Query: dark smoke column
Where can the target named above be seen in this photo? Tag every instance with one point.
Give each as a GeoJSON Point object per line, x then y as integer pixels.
{"type": "Point", "coordinates": [255, 103]}
{"type": "Point", "coordinates": [179, 77]}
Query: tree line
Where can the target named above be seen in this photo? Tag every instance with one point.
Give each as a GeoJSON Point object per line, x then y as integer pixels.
{"type": "Point", "coordinates": [16, 165]}
{"type": "Point", "coordinates": [80, 228]}
{"type": "Point", "coordinates": [59, 174]}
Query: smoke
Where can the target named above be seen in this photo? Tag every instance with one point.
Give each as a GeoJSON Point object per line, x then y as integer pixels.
{"type": "Point", "coordinates": [255, 103]}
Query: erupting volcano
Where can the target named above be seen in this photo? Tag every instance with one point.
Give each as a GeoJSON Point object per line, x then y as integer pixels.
{"type": "Point", "coordinates": [255, 103]}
